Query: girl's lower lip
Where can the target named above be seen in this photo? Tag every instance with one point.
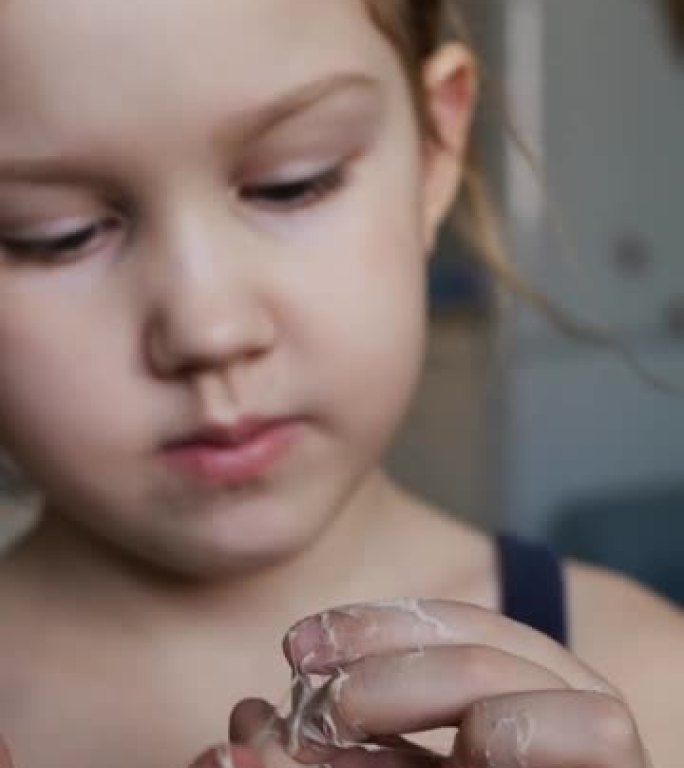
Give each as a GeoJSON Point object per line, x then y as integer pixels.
{"type": "Point", "coordinates": [224, 465]}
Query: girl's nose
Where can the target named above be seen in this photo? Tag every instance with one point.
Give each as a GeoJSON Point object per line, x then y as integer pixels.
{"type": "Point", "coordinates": [207, 313]}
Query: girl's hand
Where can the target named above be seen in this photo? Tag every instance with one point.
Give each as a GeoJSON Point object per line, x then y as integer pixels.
{"type": "Point", "coordinates": [518, 699]}
{"type": "Point", "coordinates": [213, 758]}
{"type": "Point", "coordinates": [5, 757]}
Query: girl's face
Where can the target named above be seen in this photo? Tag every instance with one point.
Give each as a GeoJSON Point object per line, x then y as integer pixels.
{"type": "Point", "coordinates": [209, 212]}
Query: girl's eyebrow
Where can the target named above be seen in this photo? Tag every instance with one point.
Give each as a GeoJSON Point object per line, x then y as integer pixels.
{"type": "Point", "coordinates": [76, 171]}
{"type": "Point", "coordinates": [265, 118]}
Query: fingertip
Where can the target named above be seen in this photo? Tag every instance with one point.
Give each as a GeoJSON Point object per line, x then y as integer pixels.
{"type": "Point", "coordinates": [5, 757]}
{"type": "Point", "coordinates": [303, 642]}
{"type": "Point", "coordinates": [250, 719]}
{"type": "Point", "coordinates": [243, 756]}
{"type": "Point", "coordinates": [216, 757]}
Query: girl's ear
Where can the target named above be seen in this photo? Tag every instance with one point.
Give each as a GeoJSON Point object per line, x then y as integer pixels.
{"type": "Point", "coordinates": [450, 84]}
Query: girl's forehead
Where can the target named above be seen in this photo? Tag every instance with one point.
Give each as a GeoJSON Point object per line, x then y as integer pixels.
{"type": "Point", "coordinates": [149, 31]}
{"type": "Point", "coordinates": [91, 62]}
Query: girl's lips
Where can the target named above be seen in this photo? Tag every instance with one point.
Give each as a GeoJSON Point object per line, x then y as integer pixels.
{"type": "Point", "coordinates": [233, 462]}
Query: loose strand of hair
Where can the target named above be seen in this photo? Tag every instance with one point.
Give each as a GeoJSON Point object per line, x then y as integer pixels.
{"type": "Point", "coordinates": [478, 221]}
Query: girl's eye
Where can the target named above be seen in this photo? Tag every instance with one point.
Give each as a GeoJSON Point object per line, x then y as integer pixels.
{"type": "Point", "coordinates": [299, 193]}
{"type": "Point", "coordinates": [66, 247]}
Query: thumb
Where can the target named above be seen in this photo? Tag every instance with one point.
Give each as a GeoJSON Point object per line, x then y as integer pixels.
{"type": "Point", "coordinates": [258, 736]}
{"type": "Point", "coordinates": [5, 757]}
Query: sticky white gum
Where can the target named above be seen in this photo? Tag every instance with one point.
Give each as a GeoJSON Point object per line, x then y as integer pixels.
{"type": "Point", "coordinates": [313, 705]}
{"type": "Point", "coordinates": [328, 625]}
{"type": "Point", "coordinates": [312, 717]}
{"type": "Point", "coordinates": [302, 693]}
{"type": "Point", "coordinates": [223, 758]}
{"type": "Point", "coordinates": [413, 607]}
{"type": "Point", "coordinates": [423, 624]}
{"type": "Point", "coordinates": [510, 741]}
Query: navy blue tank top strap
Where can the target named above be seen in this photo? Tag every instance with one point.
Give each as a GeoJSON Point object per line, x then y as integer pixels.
{"type": "Point", "coordinates": [533, 586]}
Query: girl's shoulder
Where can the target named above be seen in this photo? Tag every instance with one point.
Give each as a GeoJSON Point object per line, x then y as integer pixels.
{"type": "Point", "coordinates": [618, 618]}
{"type": "Point", "coordinates": [602, 599]}
{"type": "Point", "coordinates": [624, 631]}
{"type": "Point", "coordinates": [634, 638]}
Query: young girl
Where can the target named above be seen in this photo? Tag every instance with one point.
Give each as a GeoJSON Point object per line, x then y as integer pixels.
{"type": "Point", "coordinates": [215, 221]}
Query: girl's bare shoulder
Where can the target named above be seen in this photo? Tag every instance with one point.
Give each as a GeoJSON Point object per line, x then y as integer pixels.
{"type": "Point", "coordinates": [634, 638]}
{"type": "Point", "coordinates": [614, 615]}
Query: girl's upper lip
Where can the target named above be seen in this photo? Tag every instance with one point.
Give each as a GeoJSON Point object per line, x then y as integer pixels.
{"type": "Point", "coordinates": [215, 433]}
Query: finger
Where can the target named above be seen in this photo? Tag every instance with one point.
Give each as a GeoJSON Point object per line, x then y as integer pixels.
{"type": "Point", "coordinates": [253, 718]}
{"type": "Point", "coordinates": [391, 757]}
{"type": "Point", "coordinates": [555, 729]}
{"type": "Point", "coordinates": [5, 757]}
{"type": "Point", "coordinates": [259, 736]}
{"type": "Point", "coordinates": [412, 692]}
{"type": "Point", "coordinates": [342, 635]}
{"type": "Point", "coordinates": [216, 757]}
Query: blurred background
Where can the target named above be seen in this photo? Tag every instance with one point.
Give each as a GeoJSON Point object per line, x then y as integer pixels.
{"type": "Point", "coordinates": [550, 438]}
{"type": "Point", "coordinates": [517, 426]}
{"type": "Point", "coordinates": [592, 456]}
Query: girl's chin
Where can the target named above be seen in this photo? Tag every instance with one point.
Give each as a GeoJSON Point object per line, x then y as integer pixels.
{"type": "Point", "coordinates": [217, 568]}
{"type": "Point", "coordinates": [221, 559]}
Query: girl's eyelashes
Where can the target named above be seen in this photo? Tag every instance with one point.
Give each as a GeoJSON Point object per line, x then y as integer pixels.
{"type": "Point", "coordinates": [62, 248]}
{"type": "Point", "coordinates": [297, 193]}
{"type": "Point", "coordinates": [281, 196]}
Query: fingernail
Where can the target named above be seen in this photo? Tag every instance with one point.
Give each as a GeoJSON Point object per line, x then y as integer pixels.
{"type": "Point", "coordinates": [304, 643]}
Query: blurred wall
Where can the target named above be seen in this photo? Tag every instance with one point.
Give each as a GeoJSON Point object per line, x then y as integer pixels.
{"type": "Point", "coordinates": [600, 95]}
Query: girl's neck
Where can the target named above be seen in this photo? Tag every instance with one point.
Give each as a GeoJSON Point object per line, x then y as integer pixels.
{"type": "Point", "coordinates": [72, 570]}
